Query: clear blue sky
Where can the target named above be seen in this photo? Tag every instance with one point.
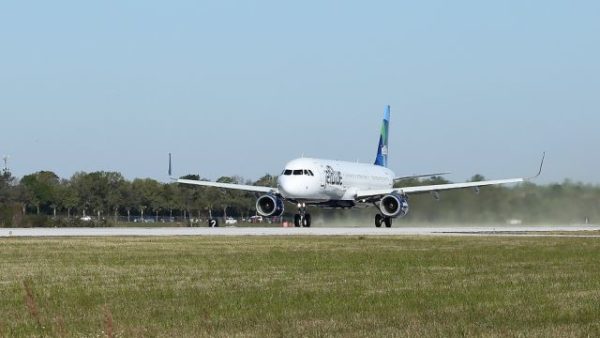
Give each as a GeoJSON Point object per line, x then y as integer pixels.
{"type": "Point", "coordinates": [240, 87]}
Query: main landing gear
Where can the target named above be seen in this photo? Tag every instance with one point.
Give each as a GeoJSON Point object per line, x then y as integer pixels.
{"type": "Point", "coordinates": [302, 219]}
{"type": "Point", "coordinates": [380, 219]}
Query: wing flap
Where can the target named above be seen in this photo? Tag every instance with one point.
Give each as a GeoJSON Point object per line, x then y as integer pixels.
{"type": "Point", "coordinates": [418, 176]}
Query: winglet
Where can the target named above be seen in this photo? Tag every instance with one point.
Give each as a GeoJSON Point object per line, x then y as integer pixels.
{"type": "Point", "coordinates": [170, 166]}
{"type": "Point", "coordinates": [541, 167]}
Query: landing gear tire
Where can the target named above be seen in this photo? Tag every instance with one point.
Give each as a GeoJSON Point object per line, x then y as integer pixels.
{"type": "Point", "coordinates": [297, 220]}
{"type": "Point", "coordinates": [302, 219]}
{"type": "Point", "coordinates": [381, 220]}
{"type": "Point", "coordinates": [378, 220]}
{"type": "Point", "coordinates": [213, 223]}
{"type": "Point", "coordinates": [306, 221]}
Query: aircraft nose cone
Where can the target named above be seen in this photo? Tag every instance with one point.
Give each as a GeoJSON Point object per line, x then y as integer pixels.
{"type": "Point", "coordinates": [293, 188]}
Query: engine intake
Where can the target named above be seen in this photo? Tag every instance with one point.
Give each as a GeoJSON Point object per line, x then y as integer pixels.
{"type": "Point", "coordinates": [269, 205]}
{"type": "Point", "coordinates": [393, 206]}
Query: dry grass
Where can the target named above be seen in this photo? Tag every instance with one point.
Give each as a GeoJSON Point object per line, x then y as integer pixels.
{"type": "Point", "coordinates": [109, 328]}
{"type": "Point", "coordinates": [59, 327]}
{"type": "Point", "coordinates": [351, 287]}
{"type": "Point", "coordinates": [30, 303]}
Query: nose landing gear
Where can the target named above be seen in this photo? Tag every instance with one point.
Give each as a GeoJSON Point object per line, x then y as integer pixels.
{"type": "Point", "coordinates": [302, 219]}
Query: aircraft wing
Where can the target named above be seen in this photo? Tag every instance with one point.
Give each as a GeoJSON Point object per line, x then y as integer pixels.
{"type": "Point", "coordinates": [376, 194]}
{"type": "Point", "coordinates": [432, 188]}
{"type": "Point", "coordinates": [452, 186]}
{"type": "Point", "coordinates": [250, 188]}
{"type": "Point", "coordinates": [242, 187]}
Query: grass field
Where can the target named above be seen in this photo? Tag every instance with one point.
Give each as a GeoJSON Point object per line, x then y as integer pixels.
{"type": "Point", "coordinates": [353, 286]}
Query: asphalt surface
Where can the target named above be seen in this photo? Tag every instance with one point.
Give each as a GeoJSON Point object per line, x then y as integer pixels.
{"type": "Point", "coordinates": [532, 231]}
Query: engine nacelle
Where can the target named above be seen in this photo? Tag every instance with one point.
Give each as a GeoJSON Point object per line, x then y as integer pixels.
{"type": "Point", "coordinates": [269, 205]}
{"type": "Point", "coordinates": [393, 206]}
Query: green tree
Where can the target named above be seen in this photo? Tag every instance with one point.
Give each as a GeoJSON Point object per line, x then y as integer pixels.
{"type": "Point", "coordinates": [41, 187]}
{"type": "Point", "coordinates": [170, 198]}
{"type": "Point", "coordinates": [130, 202]}
{"type": "Point", "coordinates": [7, 182]}
{"type": "Point", "coordinates": [67, 196]}
{"type": "Point", "coordinates": [99, 191]}
{"type": "Point", "coordinates": [82, 190]}
{"type": "Point", "coordinates": [116, 193]}
{"type": "Point", "coordinates": [148, 195]}
{"type": "Point", "coordinates": [225, 198]}
{"type": "Point", "coordinates": [194, 198]}
{"type": "Point", "coordinates": [8, 195]}
{"type": "Point", "coordinates": [267, 181]}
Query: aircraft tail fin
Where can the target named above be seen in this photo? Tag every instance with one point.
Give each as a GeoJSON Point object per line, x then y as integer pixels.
{"type": "Point", "coordinates": [382, 150]}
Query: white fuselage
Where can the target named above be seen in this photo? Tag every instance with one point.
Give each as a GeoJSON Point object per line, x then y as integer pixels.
{"type": "Point", "coordinates": [318, 181]}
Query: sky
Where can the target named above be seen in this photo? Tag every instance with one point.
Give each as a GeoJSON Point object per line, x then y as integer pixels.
{"type": "Point", "coordinates": [242, 87]}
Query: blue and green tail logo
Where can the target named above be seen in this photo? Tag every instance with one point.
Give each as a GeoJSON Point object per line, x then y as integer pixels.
{"type": "Point", "coordinates": [382, 151]}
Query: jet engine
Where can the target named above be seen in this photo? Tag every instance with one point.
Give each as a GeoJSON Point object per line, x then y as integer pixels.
{"type": "Point", "coordinates": [393, 206]}
{"type": "Point", "coordinates": [269, 205]}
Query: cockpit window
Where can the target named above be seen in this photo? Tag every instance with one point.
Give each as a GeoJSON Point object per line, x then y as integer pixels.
{"type": "Point", "coordinates": [298, 172]}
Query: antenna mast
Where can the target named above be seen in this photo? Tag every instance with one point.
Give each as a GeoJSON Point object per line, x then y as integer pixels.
{"type": "Point", "coordinates": [5, 170]}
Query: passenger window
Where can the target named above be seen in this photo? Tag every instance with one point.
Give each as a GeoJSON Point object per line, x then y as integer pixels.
{"type": "Point", "coordinates": [297, 172]}
{"type": "Point", "coordinates": [287, 172]}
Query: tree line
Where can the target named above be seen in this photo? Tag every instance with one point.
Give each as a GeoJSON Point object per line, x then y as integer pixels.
{"type": "Point", "coordinates": [108, 196]}
{"type": "Point", "coordinates": [37, 199]}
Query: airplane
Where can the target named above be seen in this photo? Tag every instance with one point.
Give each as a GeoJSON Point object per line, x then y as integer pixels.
{"type": "Point", "coordinates": [337, 184]}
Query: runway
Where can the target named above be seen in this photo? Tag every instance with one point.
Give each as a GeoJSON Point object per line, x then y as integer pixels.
{"type": "Point", "coordinates": [531, 231]}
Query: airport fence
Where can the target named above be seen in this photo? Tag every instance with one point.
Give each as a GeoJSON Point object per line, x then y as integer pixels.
{"type": "Point", "coordinates": [172, 220]}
